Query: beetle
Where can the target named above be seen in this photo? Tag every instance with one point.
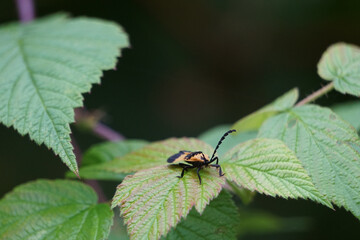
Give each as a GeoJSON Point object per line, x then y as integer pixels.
{"type": "Point", "coordinates": [198, 159]}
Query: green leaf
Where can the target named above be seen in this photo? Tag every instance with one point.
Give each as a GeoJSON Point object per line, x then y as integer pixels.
{"type": "Point", "coordinates": [327, 146]}
{"type": "Point", "coordinates": [105, 152]}
{"type": "Point", "coordinates": [154, 200]}
{"type": "Point", "coordinates": [349, 111]}
{"type": "Point", "coordinates": [152, 155]}
{"type": "Point", "coordinates": [255, 119]}
{"type": "Point", "coordinates": [213, 135]}
{"type": "Point", "coordinates": [270, 167]}
{"type": "Point", "coordinates": [97, 162]}
{"type": "Point", "coordinates": [45, 66]}
{"type": "Point", "coordinates": [54, 209]}
{"type": "Point", "coordinates": [340, 63]}
{"type": "Point", "coordinates": [218, 221]}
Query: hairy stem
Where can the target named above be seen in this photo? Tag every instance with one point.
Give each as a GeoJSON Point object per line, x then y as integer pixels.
{"type": "Point", "coordinates": [315, 95]}
{"type": "Point", "coordinates": [26, 10]}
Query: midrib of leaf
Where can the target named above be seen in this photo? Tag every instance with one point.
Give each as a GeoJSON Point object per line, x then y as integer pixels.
{"type": "Point", "coordinates": [21, 218]}
{"type": "Point", "coordinates": [162, 203]}
{"type": "Point", "coordinates": [38, 94]}
{"type": "Point", "coordinates": [315, 140]}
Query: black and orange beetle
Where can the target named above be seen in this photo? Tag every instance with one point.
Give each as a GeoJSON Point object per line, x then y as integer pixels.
{"type": "Point", "coordinates": [198, 159]}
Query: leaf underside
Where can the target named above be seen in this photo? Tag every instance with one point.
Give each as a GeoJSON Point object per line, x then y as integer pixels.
{"type": "Point", "coordinates": [45, 66]}
{"type": "Point", "coordinates": [154, 200]}
{"type": "Point", "coordinates": [254, 120]}
{"type": "Point", "coordinates": [54, 209]}
{"type": "Point", "coordinates": [327, 146]}
{"type": "Point", "coordinates": [270, 167]}
{"type": "Point", "coordinates": [341, 64]}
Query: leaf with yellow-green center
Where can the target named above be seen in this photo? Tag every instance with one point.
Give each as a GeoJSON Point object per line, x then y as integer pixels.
{"type": "Point", "coordinates": [152, 155]}
{"type": "Point", "coordinates": [93, 166]}
{"type": "Point", "coordinates": [270, 167]}
{"type": "Point", "coordinates": [254, 120]}
{"type": "Point", "coordinates": [154, 200]}
{"type": "Point", "coordinates": [341, 64]}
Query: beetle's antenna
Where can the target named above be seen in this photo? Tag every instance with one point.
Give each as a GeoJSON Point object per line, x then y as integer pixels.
{"type": "Point", "coordinates": [221, 139]}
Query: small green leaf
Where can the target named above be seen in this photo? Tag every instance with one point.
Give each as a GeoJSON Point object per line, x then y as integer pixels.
{"type": "Point", "coordinates": [97, 161]}
{"type": "Point", "coordinates": [254, 120]}
{"type": "Point", "coordinates": [349, 111]}
{"type": "Point", "coordinates": [105, 152]}
{"type": "Point", "coordinates": [270, 167]}
{"type": "Point", "coordinates": [45, 66]}
{"type": "Point", "coordinates": [213, 135]}
{"type": "Point", "coordinates": [154, 200]}
{"type": "Point", "coordinates": [340, 63]}
{"type": "Point", "coordinates": [54, 209]}
{"type": "Point", "coordinates": [218, 221]}
{"type": "Point", "coordinates": [152, 155]}
{"type": "Point", "coordinates": [327, 146]}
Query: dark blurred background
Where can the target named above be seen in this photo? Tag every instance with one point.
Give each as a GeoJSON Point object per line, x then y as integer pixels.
{"type": "Point", "coordinates": [193, 65]}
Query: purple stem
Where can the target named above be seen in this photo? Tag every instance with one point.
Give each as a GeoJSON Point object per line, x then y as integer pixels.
{"type": "Point", "coordinates": [107, 133]}
{"type": "Point", "coordinates": [26, 10]}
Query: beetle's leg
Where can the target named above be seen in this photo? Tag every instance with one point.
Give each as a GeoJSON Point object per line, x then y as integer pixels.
{"type": "Point", "coordinates": [220, 171]}
{"type": "Point", "coordinates": [185, 167]}
{"type": "Point", "coordinates": [198, 170]}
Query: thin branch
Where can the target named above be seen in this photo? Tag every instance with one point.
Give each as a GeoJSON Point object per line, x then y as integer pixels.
{"type": "Point", "coordinates": [106, 133]}
{"type": "Point", "coordinates": [91, 121]}
{"type": "Point", "coordinates": [315, 95]}
{"type": "Point", "coordinates": [26, 10]}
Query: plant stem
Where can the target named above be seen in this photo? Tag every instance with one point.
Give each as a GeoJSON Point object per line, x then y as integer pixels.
{"type": "Point", "coordinates": [315, 95]}
{"type": "Point", "coordinates": [106, 133]}
{"type": "Point", "coordinates": [26, 10]}
{"type": "Point", "coordinates": [91, 121]}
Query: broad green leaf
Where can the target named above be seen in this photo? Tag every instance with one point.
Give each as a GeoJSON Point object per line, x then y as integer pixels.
{"type": "Point", "coordinates": [152, 155]}
{"type": "Point", "coordinates": [97, 161]}
{"type": "Point", "coordinates": [268, 166]}
{"type": "Point", "coordinates": [327, 146]}
{"type": "Point", "coordinates": [154, 200]}
{"type": "Point", "coordinates": [105, 152]}
{"type": "Point", "coordinates": [218, 221]}
{"type": "Point", "coordinates": [341, 64]}
{"type": "Point", "coordinates": [254, 120]}
{"type": "Point", "coordinates": [54, 209]}
{"type": "Point", "coordinates": [45, 66]}
{"type": "Point", "coordinates": [213, 135]}
{"type": "Point", "coordinates": [349, 111]}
